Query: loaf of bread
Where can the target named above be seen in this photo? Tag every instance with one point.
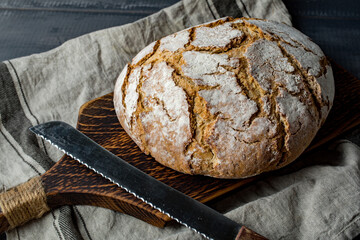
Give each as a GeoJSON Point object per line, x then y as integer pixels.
{"type": "Point", "coordinates": [229, 99]}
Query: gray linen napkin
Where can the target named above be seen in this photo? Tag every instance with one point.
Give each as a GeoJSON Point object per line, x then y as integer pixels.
{"type": "Point", "coordinates": [315, 198]}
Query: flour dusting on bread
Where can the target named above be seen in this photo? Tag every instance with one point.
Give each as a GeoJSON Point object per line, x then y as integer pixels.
{"type": "Point", "coordinates": [229, 99]}
{"type": "Point", "coordinates": [175, 41]}
{"type": "Point", "coordinates": [218, 36]}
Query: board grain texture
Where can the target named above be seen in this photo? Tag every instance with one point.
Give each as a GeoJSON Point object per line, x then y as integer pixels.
{"type": "Point", "coordinates": [70, 183]}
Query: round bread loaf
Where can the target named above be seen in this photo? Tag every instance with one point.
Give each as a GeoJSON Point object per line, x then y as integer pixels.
{"type": "Point", "coordinates": [229, 99]}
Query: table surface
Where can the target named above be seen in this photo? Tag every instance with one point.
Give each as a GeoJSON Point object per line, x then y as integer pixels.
{"type": "Point", "coordinates": [35, 26]}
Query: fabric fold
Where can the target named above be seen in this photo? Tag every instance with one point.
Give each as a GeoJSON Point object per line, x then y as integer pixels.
{"type": "Point", "coordinates": [53, 85]}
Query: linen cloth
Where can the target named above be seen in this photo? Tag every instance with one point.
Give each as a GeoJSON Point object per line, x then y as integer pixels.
{"type": "Point", "coordinates": [317, 197]}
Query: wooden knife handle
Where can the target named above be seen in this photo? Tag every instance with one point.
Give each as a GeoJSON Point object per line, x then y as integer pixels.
{"type": "Point", "coordinates": [248, 234]}
{"type": "Point", "coordinates": [22, 203]}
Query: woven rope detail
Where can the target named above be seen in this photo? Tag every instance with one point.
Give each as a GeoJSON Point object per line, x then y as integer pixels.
{"type": "Point", "coordinates": [24, 202]}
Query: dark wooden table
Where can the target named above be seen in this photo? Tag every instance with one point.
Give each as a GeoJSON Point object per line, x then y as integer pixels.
{"type": "Point", "coordinates": [34, 26]}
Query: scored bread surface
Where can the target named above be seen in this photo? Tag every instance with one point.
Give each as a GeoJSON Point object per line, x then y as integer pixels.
{"type": "Point", "coordinates": [229, 99]}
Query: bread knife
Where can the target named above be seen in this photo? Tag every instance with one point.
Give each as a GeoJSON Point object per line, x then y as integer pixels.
{"type": "Point", "coordinates": [180, 207]}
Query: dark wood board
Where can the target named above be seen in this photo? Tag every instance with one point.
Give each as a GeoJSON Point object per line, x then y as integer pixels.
{"type": "Point", "coordinates": [70, 183]}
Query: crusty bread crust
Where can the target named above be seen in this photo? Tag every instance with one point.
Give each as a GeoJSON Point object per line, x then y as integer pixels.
{"type": "Point", "coordinates": [229, 99]}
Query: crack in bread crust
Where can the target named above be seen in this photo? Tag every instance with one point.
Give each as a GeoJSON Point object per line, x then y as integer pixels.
{"type": "Point", "coordinates": [124, 85]}
{"type": "Point", "coordinates": [280, 34]}
{"type": "Point", "coordinates": [147, 56]}
{"type": "Point", "coordinates": [135, 117]}
{"type": "Point", "coordinates": [191, 91]}
{"type": "Point", "coordinates": [316, 99]}
{"type": "Point", "coordinates": [236, 96]}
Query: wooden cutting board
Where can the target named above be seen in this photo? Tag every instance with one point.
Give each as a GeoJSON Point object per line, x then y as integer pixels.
{"type": "Point", "coordinates": [70, 183]}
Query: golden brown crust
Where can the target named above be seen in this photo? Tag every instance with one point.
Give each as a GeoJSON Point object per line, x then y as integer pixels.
{"type": "Point", "coordinates": [229, 99]}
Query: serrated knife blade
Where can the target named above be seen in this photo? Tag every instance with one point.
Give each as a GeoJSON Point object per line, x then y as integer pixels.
{"type": "Point", "coordinates": [175, 204]}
